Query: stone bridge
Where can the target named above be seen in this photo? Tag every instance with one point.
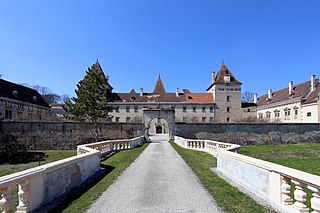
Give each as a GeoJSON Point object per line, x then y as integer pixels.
{"type": "Point", "coordinates": [159, 180]}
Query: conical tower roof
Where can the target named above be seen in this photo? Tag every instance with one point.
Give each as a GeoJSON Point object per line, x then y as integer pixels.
{"type": "Point", "coordinates": [159, 88]}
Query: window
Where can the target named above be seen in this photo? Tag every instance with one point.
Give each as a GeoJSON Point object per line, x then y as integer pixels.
{"type": "Point", "coordinates": [248, 110]}
{"type": "Point", "coordinates": [260, 116]}
{"type": "Point", "coordinates": [228, 98]}
{"type": "Point", "coordinates": [194, 109]}
{"type": "Point", "coordinates": [128, 119]}
{"type": "Point", "coordinates": [287, 114]}
{"type": "Point", "coordinates": [228, 120]}
{"type": "Point", "coordinates": [268, 115]}
{"type": "Point", "coordinates": [117, 119]}
{"type": "Point", "coordinates": [277, 113]}
{"type": "Point", "coordinates": [116, 109]}
{"type": "Point", "coordinates": [184, 109]}
{"type": "Point", "coordinates": [194, 119]}
{"type": "Point", "coordinates": [20, 114]}
{"type": "Point", "coordinates": [127, 109]}
{"type": "Point", "coordinates": [204, 119]}
{"type": "Point", "coordinates": [296, 114]}
{"type": "Point", "coordinates": [8, 114]}
{"type": "Point", "coordinates": [203, 109]}
{"type": "Point", "coordinates": [228, 109]}
{"type": "Point", "coordinates": [211, 119]}
{"type": "Point", "coordinates": [211, 109]}
{"type": "Point", "coordinates": [184, 119]}
{"type": "Point", "coordinates": [308, 114]}
{"type": "Point", "coordinates": [135, 109]}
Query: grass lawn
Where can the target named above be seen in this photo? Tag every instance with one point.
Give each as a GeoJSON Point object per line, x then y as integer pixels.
{"type": "Point", "coordinates": [304, 157]}
{"type": "Point", "coordinates": [29, 162]}
{"type": "Point", "coordinates": [227, 197]}
{"type": "Point", "coordinates": [82, 199]}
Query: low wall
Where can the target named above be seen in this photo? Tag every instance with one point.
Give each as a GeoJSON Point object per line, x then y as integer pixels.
{"type": "Point", "coordinates": [252, 134]}
{"type": "Point", "coordinates": [41, 185]}
{"type": "Point", "coordinates": [270, 182]}
{"type": "Point", "coordinates": [67, 135]}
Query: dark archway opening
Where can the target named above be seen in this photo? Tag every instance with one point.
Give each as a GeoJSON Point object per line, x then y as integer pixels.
{"type": "Point", "coordinates": [159, 129]}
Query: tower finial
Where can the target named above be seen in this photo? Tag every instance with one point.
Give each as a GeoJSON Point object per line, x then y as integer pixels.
{"type": "Point", "coordinates": [222, 62]}
{"type": "Point", "coordinates": [97, 59]}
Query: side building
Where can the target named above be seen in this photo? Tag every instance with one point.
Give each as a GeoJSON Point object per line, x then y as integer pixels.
{"type": "Point", "coordinates": [20, 103]}
{"type": "Point", "coordinates": [293, 104]}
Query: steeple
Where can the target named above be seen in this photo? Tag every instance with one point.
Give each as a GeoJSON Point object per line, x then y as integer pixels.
{"type": "Point", "coordinates": [159, 88]}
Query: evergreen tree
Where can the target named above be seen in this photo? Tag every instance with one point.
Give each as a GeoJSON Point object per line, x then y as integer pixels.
{"type": "Point", "coordinates": [92, 96]}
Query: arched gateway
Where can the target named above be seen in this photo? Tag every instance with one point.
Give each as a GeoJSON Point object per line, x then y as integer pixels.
{"type": "Point", "coordinates": [167, 114]}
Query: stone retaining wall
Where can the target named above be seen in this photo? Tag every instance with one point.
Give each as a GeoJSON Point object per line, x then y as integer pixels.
{"type": "Point", "coordinates": [252, 134]}
{"type": "Point", "coordinates": [67, 135]}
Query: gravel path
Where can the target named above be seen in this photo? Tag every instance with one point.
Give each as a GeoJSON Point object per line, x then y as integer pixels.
{"type": "Point", "coordinates": [158, 181]}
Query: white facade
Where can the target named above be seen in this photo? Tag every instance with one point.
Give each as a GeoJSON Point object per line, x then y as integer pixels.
{"type": "Point", "coordinates": [184, 112]}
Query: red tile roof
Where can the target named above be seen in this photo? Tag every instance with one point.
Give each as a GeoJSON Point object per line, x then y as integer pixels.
{"type": "Point", "coordinates": [219, 78]}
{"type": "Point", "coordinates": [159, 95]}
{"type": "Point", "coordinates": [300, 92]}
{"type": "Point", "coordinates": [314, 96]}
{"type": "Point", "coordinates": [159, 88]}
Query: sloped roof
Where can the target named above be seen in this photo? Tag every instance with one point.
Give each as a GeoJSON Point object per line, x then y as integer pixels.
{"type": "Point", "coordinates": [98, 70]}
{"type": "Point", "coordinates": [219, 78]}
{"type": "Point", "coordinates": [313, 96]}
{"type": "Point", "coordinates": [21, 93]}
{"type": "Point", "coordinates": [159, 88]}
{"type": "Point", "coordinates": [159, 95]}
{"type": "Point", "coordinates": [299, 91]}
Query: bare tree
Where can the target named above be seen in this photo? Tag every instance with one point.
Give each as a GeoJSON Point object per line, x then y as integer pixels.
{"type": "Point", "coordinates": [247, 97]}
{"type": "Point", "coordinates": [64, 98]}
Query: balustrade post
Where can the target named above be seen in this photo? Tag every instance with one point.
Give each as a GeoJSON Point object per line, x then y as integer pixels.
{"type": "Point", "coordinates": [300, 197]}
{"type": "Point", "coordinates": [6, 202]}
{"type": "Point", "coordinates": [315, 200]}
{"type": "Point", "coordinates": [285, 191]}
{"type": "Point", "coordinates": [24, 205]}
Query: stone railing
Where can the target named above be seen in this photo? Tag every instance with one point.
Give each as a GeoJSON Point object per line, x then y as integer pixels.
{"type": "Point", "coordinates": [206, 145]}
{"type": "Point", "coordinates": [271, 182]}
{"type": "Point", "coordinates": [106, 147]}
{"type": "Point", "coordinates": [40, 185]}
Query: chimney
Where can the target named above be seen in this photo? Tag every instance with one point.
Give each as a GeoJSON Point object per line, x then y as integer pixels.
{"type": "Point", "coordinates": [290, 87]}
{"type": "Point", "coordinates": [255, 98]}
{"type": "Point", "coordinates": [313, 78]}
{"type": "Point", "coordinates": [213, 76]}
{"type": "Point", "coordinates": [269, 93]}
{"type": "Point", "coordinates": [177, 92]}
{"type": "Point", "coordinates": [141, 91]}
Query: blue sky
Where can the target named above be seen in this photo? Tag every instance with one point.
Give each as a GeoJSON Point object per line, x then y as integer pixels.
{"type": "Point", "coordinates": [265, 43]}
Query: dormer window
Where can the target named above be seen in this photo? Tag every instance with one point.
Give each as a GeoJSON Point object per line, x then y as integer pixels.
{"type": "Point", "coordinates": [34, 98]}
{"type": "Point", "coordinates": [226, 79]}
{"type": "Point", "coordinates": [190, 98]}
{"type": "Point", "coordinates": [15, 93]}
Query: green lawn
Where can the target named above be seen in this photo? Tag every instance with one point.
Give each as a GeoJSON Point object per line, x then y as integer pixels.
{"type": "Point", "coordinates": [304, 157]}
{"type": "Point", "coordinates": [227, 197]}
{"type": "Point", "coordinates": [30, 162]}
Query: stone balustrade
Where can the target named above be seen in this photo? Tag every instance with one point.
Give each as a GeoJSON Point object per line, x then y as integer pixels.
{"type": "Point", "coordinates": [271, 182]}
{"type": "Point", "coordinates": [206, 145]}
{"type": "Point", "coordinates": [38, 186]}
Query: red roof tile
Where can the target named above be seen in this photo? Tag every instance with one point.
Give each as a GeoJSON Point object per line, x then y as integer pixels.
{"type": "Point", "coordinates": [300, 91]}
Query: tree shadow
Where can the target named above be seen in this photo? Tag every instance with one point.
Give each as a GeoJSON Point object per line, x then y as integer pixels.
{"type": "Point", "coordinates": [63, 201]}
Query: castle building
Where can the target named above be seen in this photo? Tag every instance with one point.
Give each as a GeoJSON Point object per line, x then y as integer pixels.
{"type": "Point", "coordinates": [221, 102]}
{"type": "Point", "coordinates": [293, 104]}
{"type": "Point", "coordinates": [20, 103]}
